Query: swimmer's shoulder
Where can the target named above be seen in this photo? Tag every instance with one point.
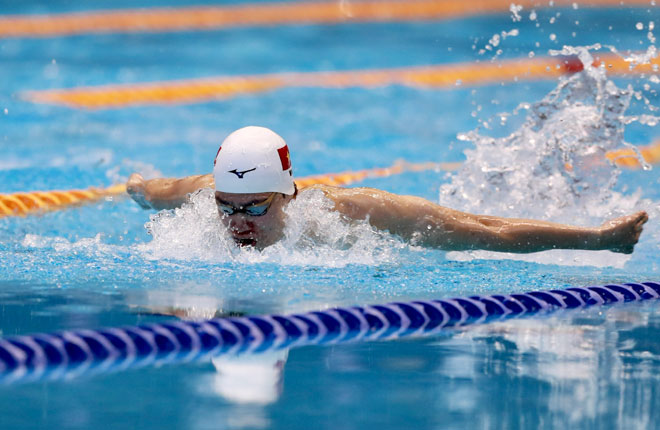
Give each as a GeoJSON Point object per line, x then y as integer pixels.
{"type": "Point", "coordinates": [334, 192]}
{"type": "Point", "coordinates": [327, 189]}
{"type": "Point", "coordinates": [354, 202]}
{"type": "Point", "coordinates": [331, 190]}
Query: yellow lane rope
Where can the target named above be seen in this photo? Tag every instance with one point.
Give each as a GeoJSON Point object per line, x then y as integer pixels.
{"type": "Point", "coordinates": [19, 204]}
{"type": "Point", "coordinates": [218, 17]}
{"type": "Point", "coordinates": [435, 76]}
{"type": "Point", "coordinates": [26, 203]}
{"type": "Point", "coordinates": [157, 93]}
{"type": "Point", "coordinates": [627, 157]}
{"type": "Point", "coordinates": [41, 201]}
{"type": "Point", "coordinates": [346, 178]}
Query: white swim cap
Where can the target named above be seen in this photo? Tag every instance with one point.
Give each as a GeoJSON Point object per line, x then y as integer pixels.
{"type": "Point", "coordinates": [253, 160]}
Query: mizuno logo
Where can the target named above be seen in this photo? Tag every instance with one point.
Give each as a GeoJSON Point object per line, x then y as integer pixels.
{"type": "Point", "coordinates": [240, 174]}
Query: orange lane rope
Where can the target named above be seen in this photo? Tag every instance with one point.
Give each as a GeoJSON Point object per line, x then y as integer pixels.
{"type": "Point", "coordinates": [20, 204]}
{"type": "Point", "coordinates": [627, 157]}
{"type": "Point", "coordinates": [435, 76]}
{"type": "Point", "coordinates": [218, 17]}
{"type": "Point", "coordinates": [41, 201]}
{"type": "Point", "coordinates": [346, 178]}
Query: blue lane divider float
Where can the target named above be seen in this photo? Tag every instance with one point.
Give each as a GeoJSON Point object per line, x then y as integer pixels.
{"type": "Point", "coordinates": [72, 353]}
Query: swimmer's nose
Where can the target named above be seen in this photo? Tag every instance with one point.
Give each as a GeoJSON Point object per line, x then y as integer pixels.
{"type": "Point", "coordinates": [239, 223]}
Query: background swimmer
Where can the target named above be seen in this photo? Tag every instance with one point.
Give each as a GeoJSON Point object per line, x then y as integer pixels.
{"type": "Point", "coordinates": [253, 180]}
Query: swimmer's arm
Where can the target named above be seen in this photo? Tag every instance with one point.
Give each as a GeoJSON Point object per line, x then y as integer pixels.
{"type": "Point", "coordinates": [165, 193]}
{"type": "Point", "coordinates": [425, 223]}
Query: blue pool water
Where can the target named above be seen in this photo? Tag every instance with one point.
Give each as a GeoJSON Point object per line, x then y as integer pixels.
{"type": "Point", "coordinates": [98, 265]}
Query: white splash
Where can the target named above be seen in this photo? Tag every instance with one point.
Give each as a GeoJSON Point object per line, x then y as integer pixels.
{"type": "Point", "coordinates": [314, 235]}
{"type": "Point", "coordinates": [515, 12]}
{"type": "Point", "coordinates": [89, 246]}
{"type": "Point", "coordinates": [495, 41]}
{"type": "Point", "coordinates": [192, 231]}
{"type": "Point", "coordinates": [554, 166]}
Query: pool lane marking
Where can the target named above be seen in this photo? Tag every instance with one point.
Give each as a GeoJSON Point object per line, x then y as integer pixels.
{"type": "Point", "coordinates": [34, 202]}
{"type": "Point", "coordinates": [207, 89]}
{"type": "Point", "coordinates": [25, 358]}
{"type": "Point", "coordinates": [350, 177]}
{"type": "Point", "coordinates": [628, 157]}
{"type": "Point", "coordinates": [248, 15]}
{"type": "Point", "coordinates": [167, 93]}
{"type": "Point", "coordinates": [431, 77]}
{"type": "Point", "coordinates": [25, 203]}
{"type": "Point", "coordinates": [28, 203]}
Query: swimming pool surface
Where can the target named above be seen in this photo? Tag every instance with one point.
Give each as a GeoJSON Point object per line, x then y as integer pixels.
{"type": "Point", "coordinates": [99, 265]}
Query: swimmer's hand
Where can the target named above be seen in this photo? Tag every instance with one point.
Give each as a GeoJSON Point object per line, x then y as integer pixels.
{"type": "Point", "coordinates": [135, 187]}
{"type": "Point", "coordinates": [621, 234]}
{"type": "Point", "coordinates": [165, 193]}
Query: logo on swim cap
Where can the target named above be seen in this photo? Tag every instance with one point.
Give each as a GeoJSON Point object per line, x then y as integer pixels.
{"type": "Point", "coordinates": [240, 174]}
{"type": "Point", "coordinates": [258, 151]}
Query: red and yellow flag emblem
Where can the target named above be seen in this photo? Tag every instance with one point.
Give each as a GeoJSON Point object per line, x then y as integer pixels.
{"type": "Point", "coordinates": [285, 158]}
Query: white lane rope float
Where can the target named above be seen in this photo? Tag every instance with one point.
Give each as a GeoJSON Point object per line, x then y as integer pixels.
{"type": "Point", "coordinates": [68, 354]}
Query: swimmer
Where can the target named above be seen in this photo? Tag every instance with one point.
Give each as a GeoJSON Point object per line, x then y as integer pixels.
{"type": "Point", "coordinates": [253, 183]}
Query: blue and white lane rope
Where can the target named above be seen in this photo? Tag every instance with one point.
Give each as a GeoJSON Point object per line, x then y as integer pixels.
{"type": "Point", "coordinates": [72, 353]}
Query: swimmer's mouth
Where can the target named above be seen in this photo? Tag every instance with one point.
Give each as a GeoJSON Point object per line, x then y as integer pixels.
{"type": "Point", "coordinates": [245, 241]}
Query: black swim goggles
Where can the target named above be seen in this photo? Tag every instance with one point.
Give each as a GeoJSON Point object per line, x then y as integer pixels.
{"type": "Point", "coordinates": [254, 209]}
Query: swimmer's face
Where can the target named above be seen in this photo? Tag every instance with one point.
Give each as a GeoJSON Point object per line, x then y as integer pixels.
{"type": "Point", "coordinates": [244, 217]}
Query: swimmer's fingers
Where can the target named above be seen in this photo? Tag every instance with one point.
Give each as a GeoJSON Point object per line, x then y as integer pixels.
{"type": "Point", "coordinates": [641, 219]}
{"type": "Point", "coordinates": [135, 182]}
{"type": "Point", "coordinates": [135, 188]}
{"type": "Point", "coordinates": [623, 233]}
{"type": "Point", "coordinates": [624, 249]}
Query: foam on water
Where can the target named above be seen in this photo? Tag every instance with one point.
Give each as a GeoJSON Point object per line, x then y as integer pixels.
{"type": "Point", "coordinates": [314, 235]}
{"type": "Point", "coordinates": [554, 167]}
